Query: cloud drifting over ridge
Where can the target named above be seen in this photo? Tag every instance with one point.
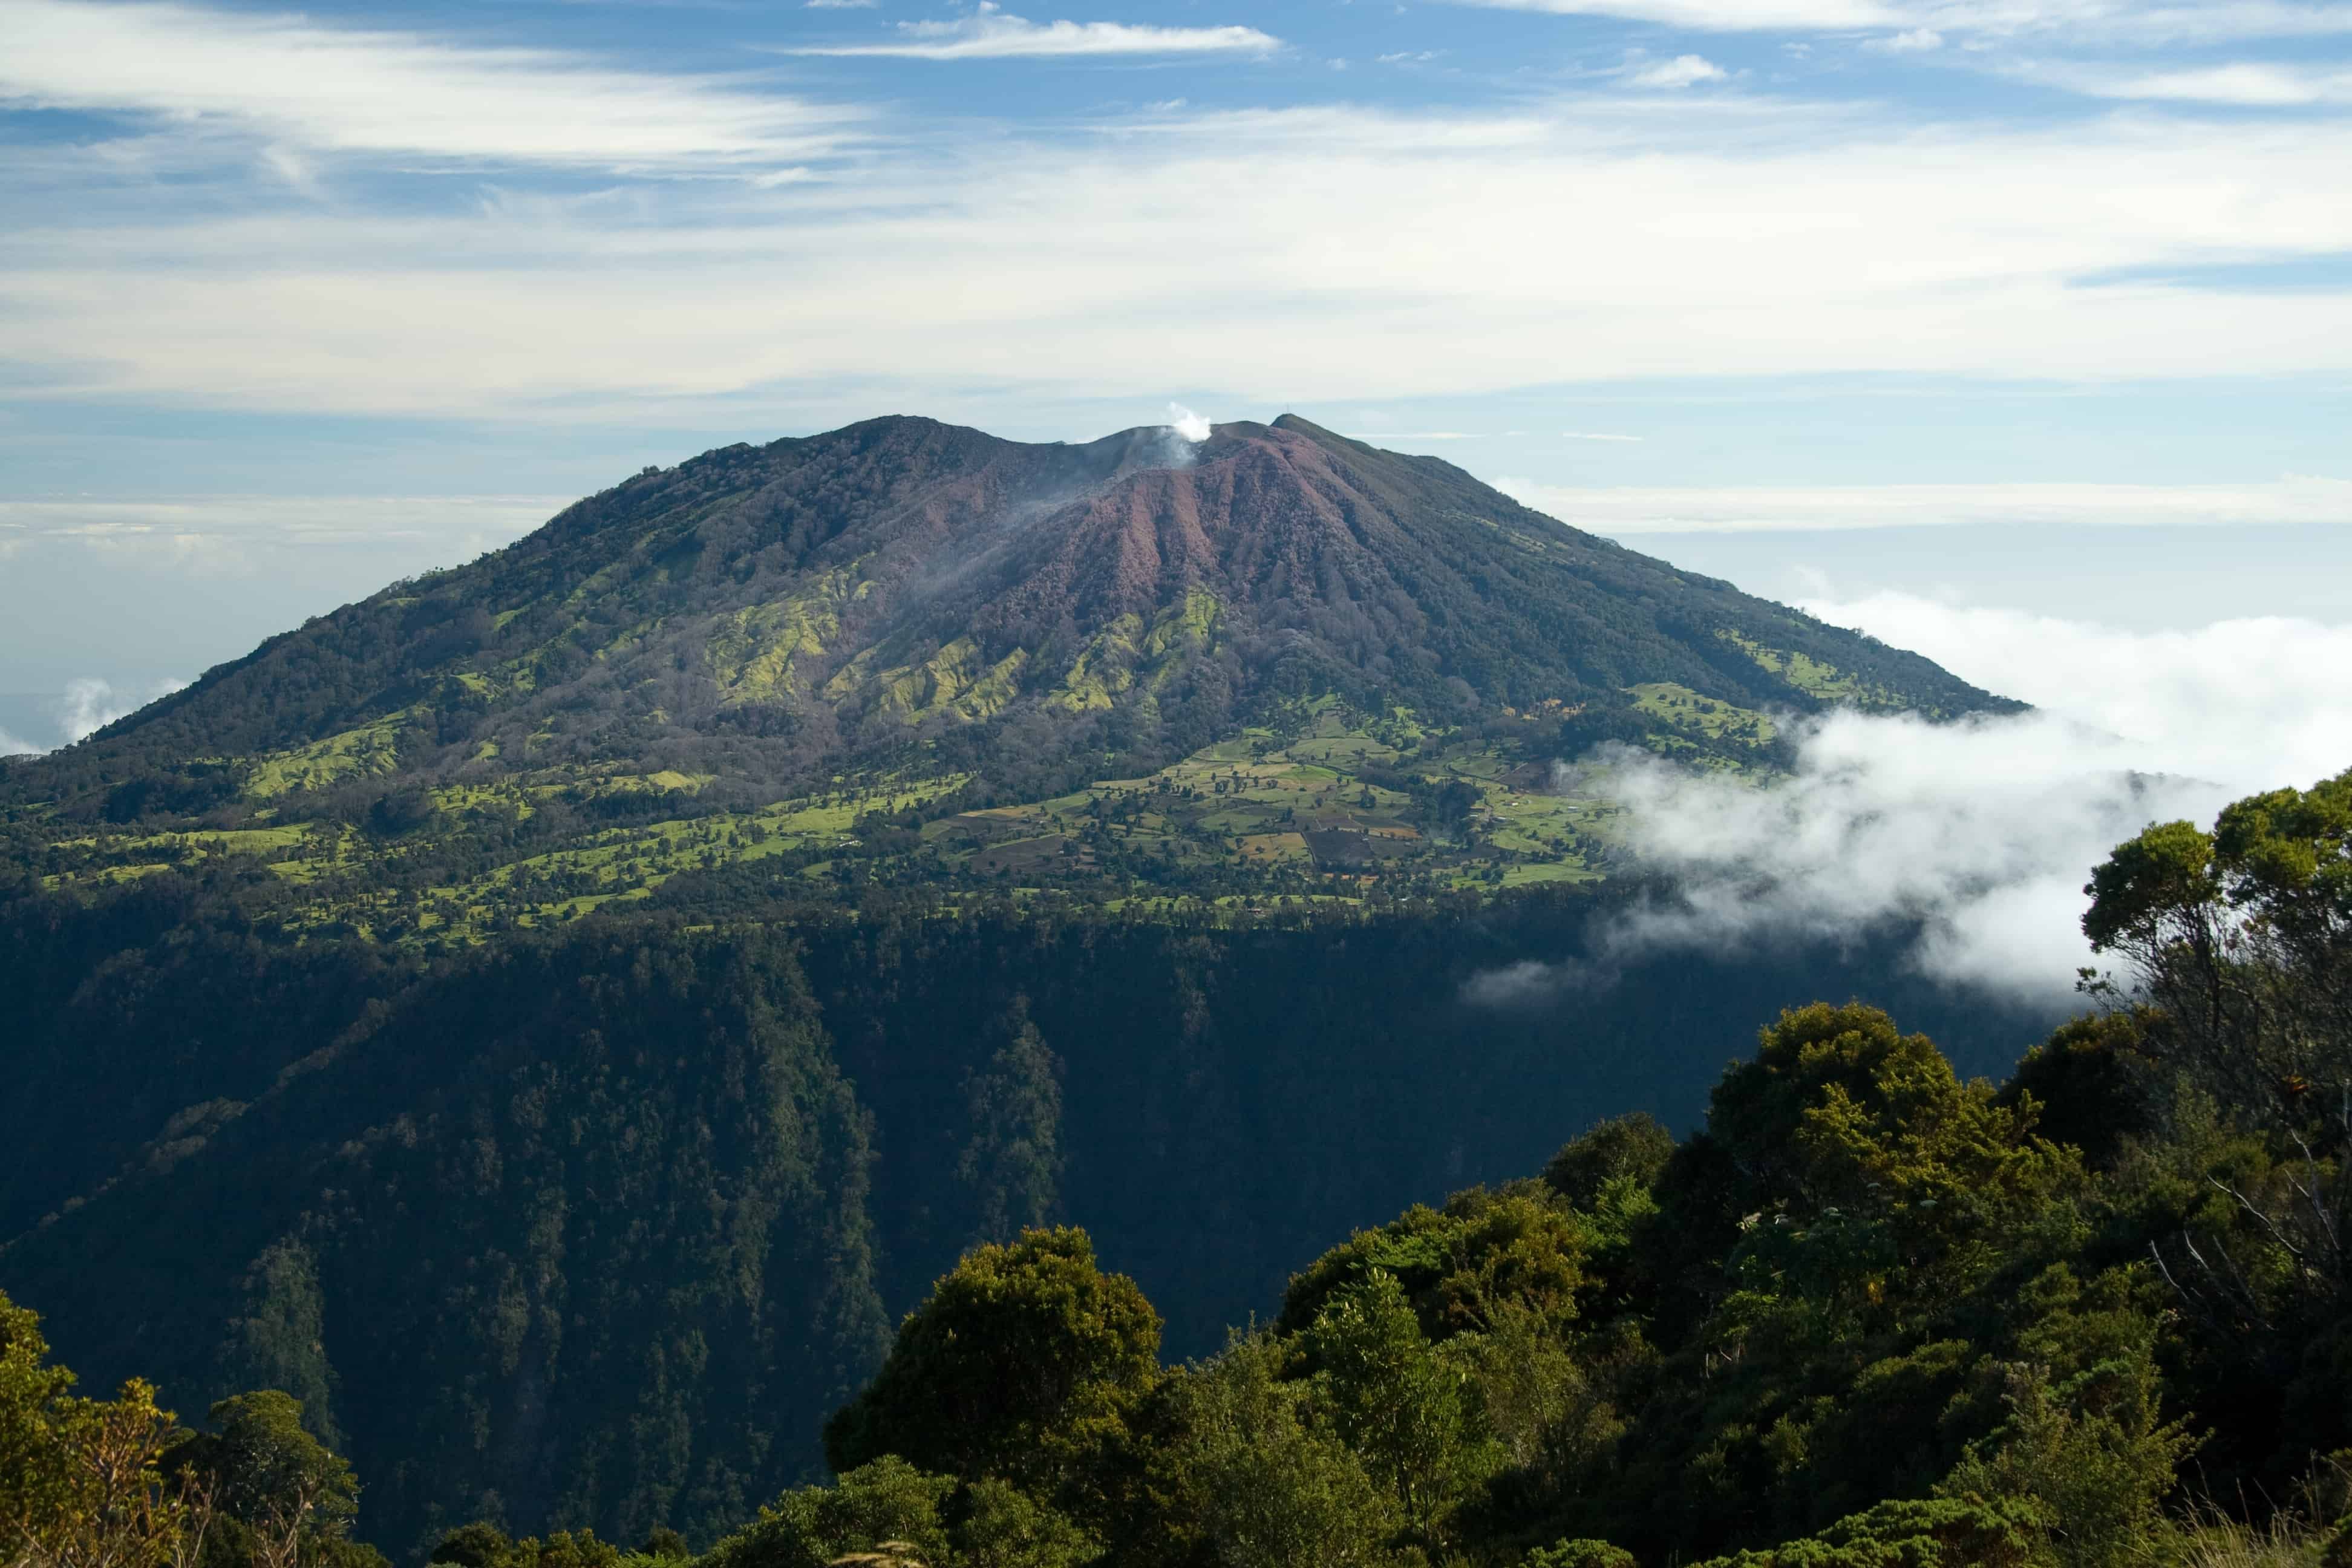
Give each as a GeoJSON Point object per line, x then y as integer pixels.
{"type": "Point", "coordinates": [1982, 833]}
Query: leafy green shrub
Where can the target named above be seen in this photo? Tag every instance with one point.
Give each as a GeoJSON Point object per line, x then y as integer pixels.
{"type": "Point", "coordinates": [1937, 1533]}
{"type": "Point", "coordinates": [1004, 1527]}
{"type": "Point", "coordinates": [808, 1527]}
{"type": "Point", "coordinates": [1583, 1553]}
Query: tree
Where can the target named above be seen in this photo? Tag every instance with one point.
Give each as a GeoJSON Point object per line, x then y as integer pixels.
{"type": "Point", "coordinates": [1634, 1147]}
{"type": "Point", "coordinates": [35, 1484]}
{"type": "Point", "coordinates": [1870, 1171]}
{"type": "Point", "coordinates": [1014, 1160]}
{"type": "Point", "coordinates": [291, 1497]}
{"type": "Point", "coordinates": [82, 1484]}
{"type": "Point", "coordinates": [1021, 1350]}
{"type": "Point", "coordinates": [2242, 938]}
{"type": "Point", "coordinates": [1407, 1410]}
{"type": "Point", "coordinates": [1246, 1477]}
{"type": "Point", "coordinates": [2237, 947]}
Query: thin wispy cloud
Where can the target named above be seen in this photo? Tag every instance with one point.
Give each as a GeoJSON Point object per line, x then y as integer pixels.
{"type": "Point", "coordinates": [232, 535]}
{"type": "Point", "coordinates": [301, 84]}
{"type": "Point", "coordinates": [1596, 435]}
{"type": "Point", "coordinates": [2139, 22]}
{"type": "Point", "coordinates": [2243, 84]}
{"type": "Point", "coordinates": [1719, 16]}
{"type": "Point", "coordinates": [991, 33]}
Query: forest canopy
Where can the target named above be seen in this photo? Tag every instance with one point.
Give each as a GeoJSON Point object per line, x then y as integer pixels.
{"type": "Point", "coordinates": [1868, 1312]}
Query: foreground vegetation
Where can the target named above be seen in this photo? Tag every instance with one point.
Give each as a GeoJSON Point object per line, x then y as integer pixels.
{"type": "Point", "coordinates": [1869, 1314]}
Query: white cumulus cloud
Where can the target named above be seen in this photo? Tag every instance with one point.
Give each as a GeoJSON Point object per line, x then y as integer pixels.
{"type": "Point", "coordinates": [1683, 70]}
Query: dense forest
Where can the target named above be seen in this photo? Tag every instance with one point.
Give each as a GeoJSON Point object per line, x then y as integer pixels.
{"type": "Point", "coordinates": [1863, 1311]}
{"type": "Point", "coordinates": [425, 1197]}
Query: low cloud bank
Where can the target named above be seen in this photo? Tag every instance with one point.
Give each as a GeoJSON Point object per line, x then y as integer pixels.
{"type": "Point", "coordinates": [2252, 702]}
{"type": "Point", "coordinates": [1979, 835]}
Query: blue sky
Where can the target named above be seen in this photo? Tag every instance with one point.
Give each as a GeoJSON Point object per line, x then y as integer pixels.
{"type": "Point", "coordinates": [1875, 293]}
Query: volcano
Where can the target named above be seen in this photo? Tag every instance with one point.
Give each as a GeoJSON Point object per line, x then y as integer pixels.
{"type": "Point", "coordinates": [905, 623]}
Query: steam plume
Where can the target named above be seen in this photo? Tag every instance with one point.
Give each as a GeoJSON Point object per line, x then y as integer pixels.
{"type": "Point", "coordinates": [90, 705]}
{"type": "Point", "coordinates": [87, 705]}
